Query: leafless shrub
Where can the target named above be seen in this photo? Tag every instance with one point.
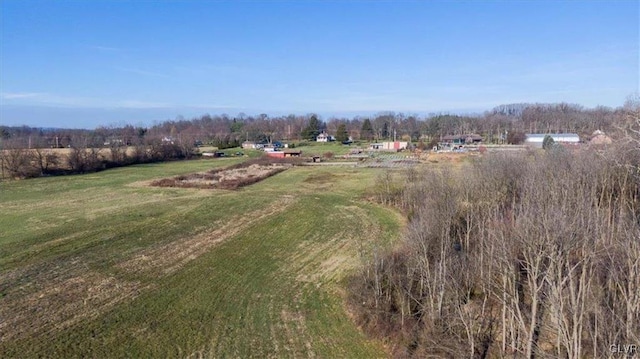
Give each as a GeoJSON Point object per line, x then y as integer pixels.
{"type": "Point", "coordinates": [118, 152]}
{"type": "Point", "coordinates": [45, 160]}
{"type": "Point", "coordinates": [140, 154]}
{"type": "Point", "coordinates": [84, 159]}
{"type": "Point", "coordinates": [387, 189]}
{"type": "Point", "coordinates": [526, 255]}
{"type": "Point", "coordinates": [17, 163]}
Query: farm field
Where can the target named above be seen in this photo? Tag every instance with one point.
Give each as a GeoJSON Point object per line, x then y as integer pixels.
{"type": "Point", "coordinates": [310, 148]}
{"type": "Point", "coordinates": [104, 265]}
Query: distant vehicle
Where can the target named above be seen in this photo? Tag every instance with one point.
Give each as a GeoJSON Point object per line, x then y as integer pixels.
{"type": "Point", "coordinates": [239, 154]}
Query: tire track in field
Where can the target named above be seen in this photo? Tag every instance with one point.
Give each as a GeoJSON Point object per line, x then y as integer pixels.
{"type": "Point", "coordinates": [325, 261]}
{"type": "Point", "coordinates": [168, 258]}
{"type": "Point", "coordinates": [48, 297]}
{"type": "Point", "coordinates": [44, 298]}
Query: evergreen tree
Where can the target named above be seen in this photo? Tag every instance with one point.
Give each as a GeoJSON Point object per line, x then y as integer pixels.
{"type": "Point", "coordinates": [341, 133]}
{"type": "Point", "coordinates": [236, 126]}
{"type": "Point", "coordinates": [312, 130]}
{"type": "Point", "coordinates": [385, 131]}
{"type": "Point", "coordinates": [547, 142]}
{"type": "Point", "coordinates": [366, 132]}
{"type": "Point", "coordinates": [516, 137]}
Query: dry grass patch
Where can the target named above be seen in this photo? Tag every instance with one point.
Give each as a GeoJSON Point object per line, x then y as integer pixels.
{"type": "Point", "coordinates": [52, 299]}
{"type": "Point", "coordinates": [233, 177]}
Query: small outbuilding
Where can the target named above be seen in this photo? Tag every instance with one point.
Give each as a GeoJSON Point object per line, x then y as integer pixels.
{"type": "Point", "coordinates": [276, 154]}
{"type": "Point", "coordinates": [292, 153]}
{"type": "Point", "coordinates": [395, 145]}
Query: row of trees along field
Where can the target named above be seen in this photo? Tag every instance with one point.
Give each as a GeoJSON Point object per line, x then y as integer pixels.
{"type": "Point", "coordinates": [531, 255]}
{"type": "Point", "coordinates": [175, 139]}
{"type": "Point", "coordinates": [18, 161]}
{"type": "Point", "coordinates": [224, 129]}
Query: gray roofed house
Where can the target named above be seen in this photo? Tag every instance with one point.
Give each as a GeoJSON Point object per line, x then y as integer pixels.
{"type": "Point", "coordinates": [462, 139]}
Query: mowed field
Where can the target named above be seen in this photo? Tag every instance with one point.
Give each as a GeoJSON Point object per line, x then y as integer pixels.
{"type": "Point", "coordinates": [103, 265]}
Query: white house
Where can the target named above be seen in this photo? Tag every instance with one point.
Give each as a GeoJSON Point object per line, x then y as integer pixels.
{"type": "Point", "coordinates": [249, 145]}
{"type": "Point", "coordinates": [323, 137]}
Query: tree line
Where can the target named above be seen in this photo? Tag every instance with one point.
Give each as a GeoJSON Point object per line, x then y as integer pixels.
{"type": "Point", "coordinates": [82, 157]}
{"type": "Point", "coordinates": [174, 139]}
{"type": "Point", "coordinates": [503, 124]}
{"type": "Point", "coordinates": [528, 255]}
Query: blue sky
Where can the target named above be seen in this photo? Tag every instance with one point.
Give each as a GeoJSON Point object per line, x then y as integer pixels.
{"type": "Point", "coordinates": [90, 63]}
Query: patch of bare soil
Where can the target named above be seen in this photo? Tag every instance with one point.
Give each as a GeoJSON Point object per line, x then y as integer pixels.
{"type": "Point", "coordinates": [168, 258]}
{"type": "Point", "coordinates": [37, 299]}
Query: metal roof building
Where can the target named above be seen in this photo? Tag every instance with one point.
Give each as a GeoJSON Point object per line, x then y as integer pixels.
{"type": "Point", "coordinates": [535, 139]}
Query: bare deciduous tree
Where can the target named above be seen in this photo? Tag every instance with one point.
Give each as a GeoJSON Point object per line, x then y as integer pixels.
{"type": "Point", "coordinates": [534, 255]}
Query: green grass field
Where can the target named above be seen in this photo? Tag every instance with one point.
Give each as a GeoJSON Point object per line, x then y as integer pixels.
{"type": "Point", "coordinates": [103, 265]}
{"type": "Point", "coordinates": [309, 148]}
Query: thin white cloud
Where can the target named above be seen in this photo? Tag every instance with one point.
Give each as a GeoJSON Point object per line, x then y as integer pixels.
{"type": "Point", "coordinates": [36, 99]}
{"type": "Point", "coordinates": [218, 70]}
{"type": "Point", "coordinates": [55, 100]}
{"type": "Point", "coordinates": [141, 72]}
{"type": "Point", "coordinates": [105, 48]}
{"type": "Point", "coordinates": [135, 104]}
{"type": "Point", "coordinates": [19, 95]}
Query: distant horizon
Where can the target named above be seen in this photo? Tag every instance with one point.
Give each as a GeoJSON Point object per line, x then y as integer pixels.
{"type": "Point", "coordinates": [88, 64]}
{"type": "Point", "coordinates": [233, 113]}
